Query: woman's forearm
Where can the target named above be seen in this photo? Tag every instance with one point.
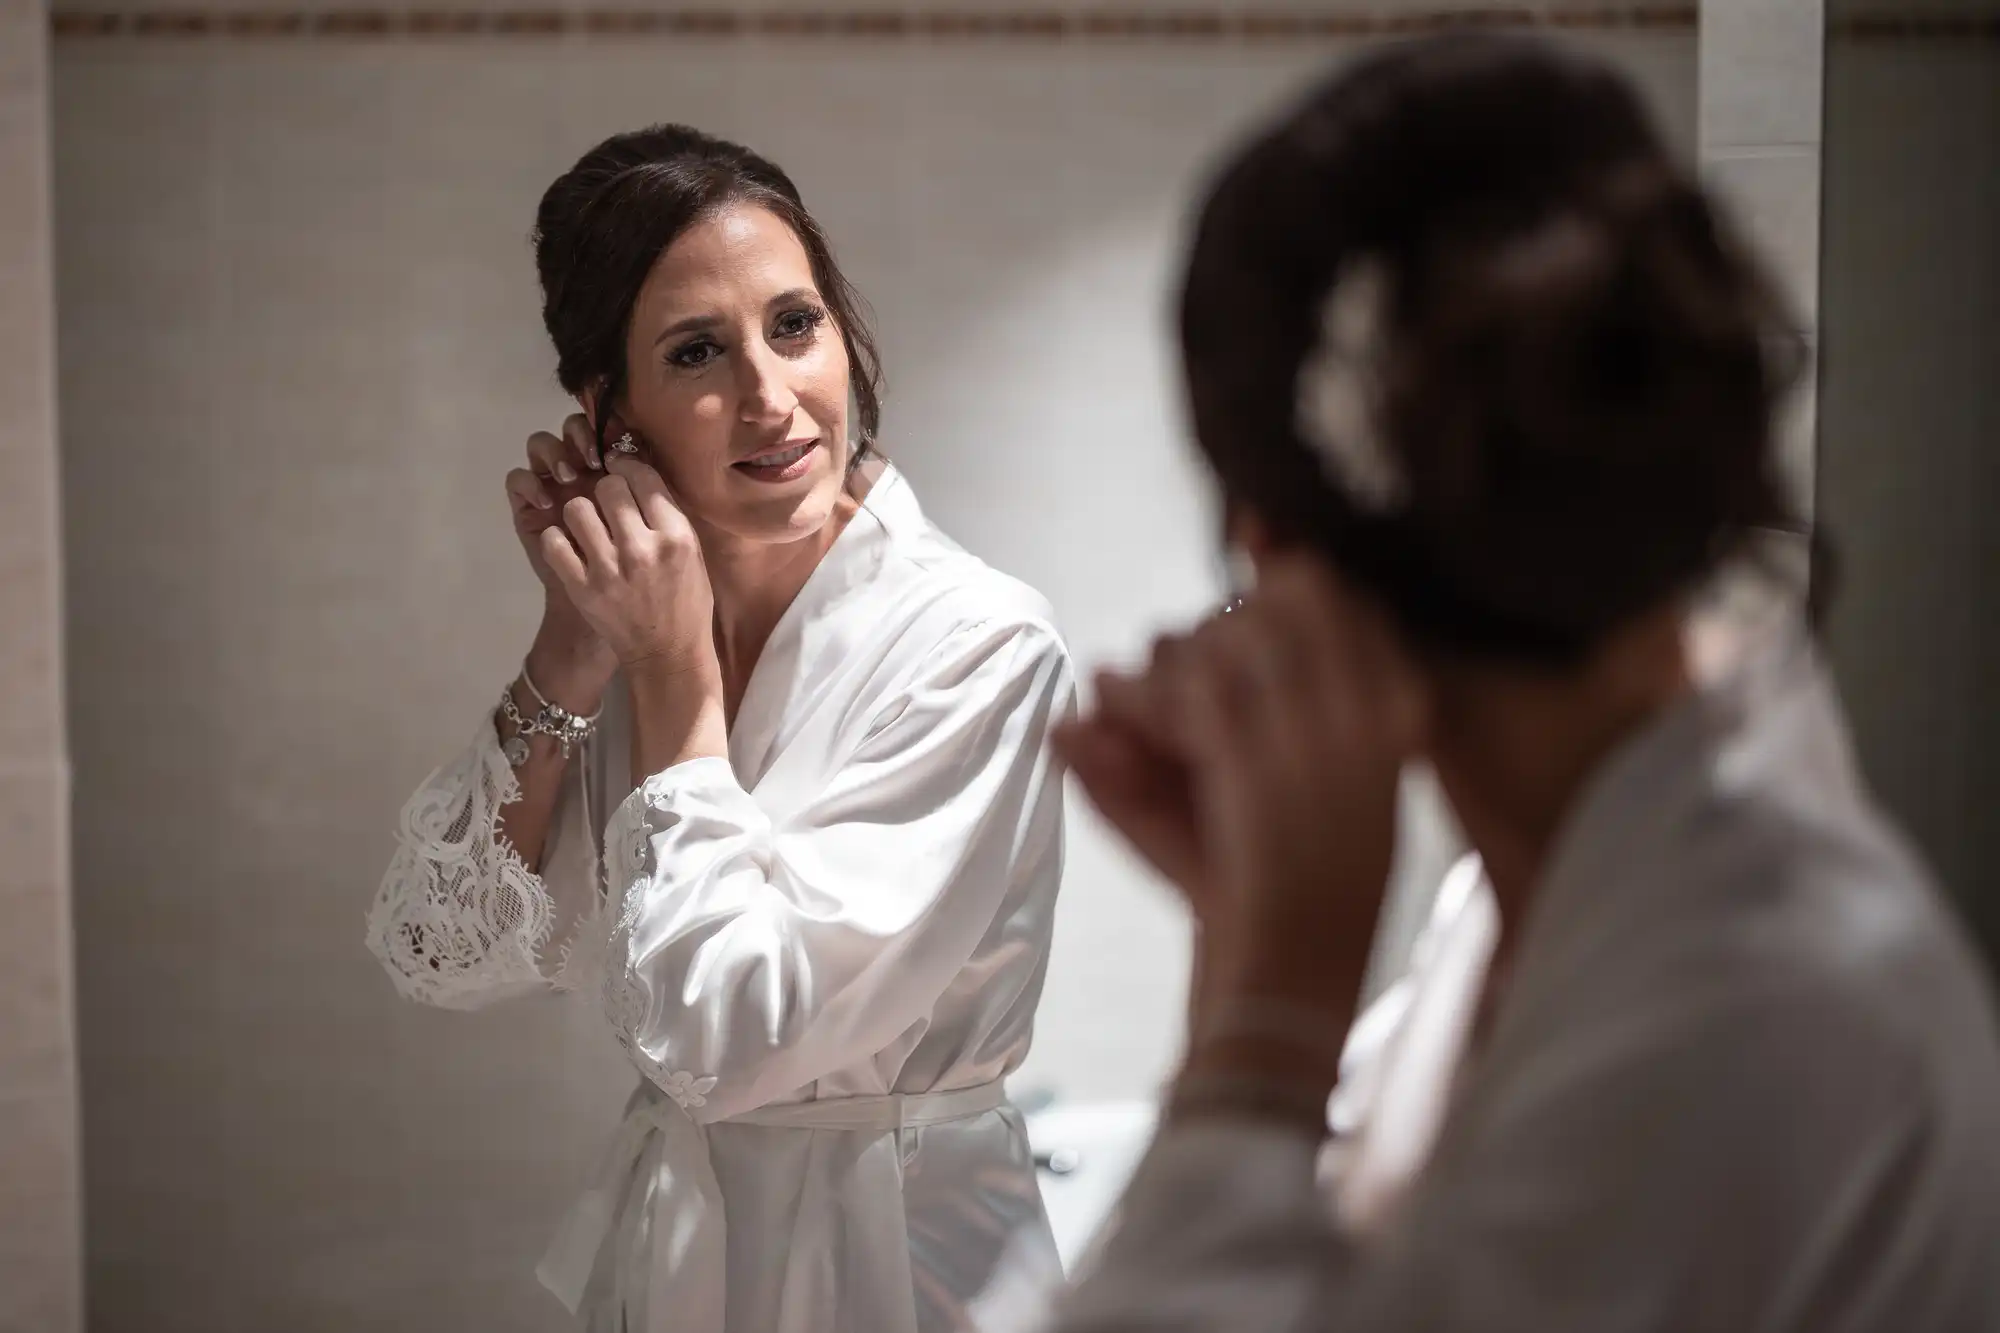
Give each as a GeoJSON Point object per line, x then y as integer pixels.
{"type": "Point", "coordinates": [571, 669]}
{"type": "Point", "coordinates": [677, 714]}
{"type": "Point", "coordinates": [1271, 1016]}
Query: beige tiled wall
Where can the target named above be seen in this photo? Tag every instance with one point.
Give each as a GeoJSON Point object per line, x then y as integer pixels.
{"type": "Point", "coordinates": [1761, 73]}
{"type": "Point", "coordinates": [40, 1235]}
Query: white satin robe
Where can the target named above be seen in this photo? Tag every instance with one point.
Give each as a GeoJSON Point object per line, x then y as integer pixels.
{"type": "Point", "coordinates": [1397, 1067]}
{"type": "Point", "coordinates": [1404, 1053]}
{"type": "Point", "coordinates": [1745, 1076]}
{"type": "Point", "coordinates": [823, 953]}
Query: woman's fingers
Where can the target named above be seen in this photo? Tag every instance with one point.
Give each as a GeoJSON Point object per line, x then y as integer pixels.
{"type": "Point", "coordinates": [1114, 766]}
{"type": "Point", "coordinates": [581, 437]}
{"type": "Point", "coordinates": [549, 457]}
{"type": "Point", "coordinates": [1142, 702]}
{"type": "Point", "coordinates": [650, 490]}
{"type": "Point", "coordinates": [525, 491]}
{"type": "Point", "coordinates": [620, 510]}
{"type": "Point", "coordinates": [1368, 682]}
{"type": "Point", "coordinates": [1138, 704]}
{"type": "Point", "coordinates": [591, 538]}
{"type": "Point", "coordinates": [1213, 697]}
{"type": "Point", "coordinates": [1142, 794]}
{"type": "Point", "coordinates": [563, 458]}
{"type": "Point", "coordinates": [1101, 766]}
{"type": "Point", "coordinates": [560, 553]}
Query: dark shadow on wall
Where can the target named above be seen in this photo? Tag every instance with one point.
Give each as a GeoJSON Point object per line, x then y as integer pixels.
{"type": "Point", "coordinates": [1909, 452]}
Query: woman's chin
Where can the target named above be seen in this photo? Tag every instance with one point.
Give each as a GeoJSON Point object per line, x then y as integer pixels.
{"type": "Point", "coordinates": [779, 517]}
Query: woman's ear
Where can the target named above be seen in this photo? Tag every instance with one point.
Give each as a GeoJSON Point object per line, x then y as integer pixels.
{"type": "Point", "coordinates": [609, 426]}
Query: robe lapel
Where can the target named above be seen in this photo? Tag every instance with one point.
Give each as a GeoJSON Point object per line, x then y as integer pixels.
{"type": "Point", "coordinates": [788, 675]}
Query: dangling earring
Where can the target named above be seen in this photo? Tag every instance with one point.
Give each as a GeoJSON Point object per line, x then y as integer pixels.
{"type": "Point", "coordinates": [625, 444]}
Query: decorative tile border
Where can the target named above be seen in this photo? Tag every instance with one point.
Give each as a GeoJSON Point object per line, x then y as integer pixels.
{"type": "Point", "coordinates": [1185, 24]}
{"type": "Point", "coordinates": [1005, 24]}
{"type": "Point", "coordinates": [1890, 26]}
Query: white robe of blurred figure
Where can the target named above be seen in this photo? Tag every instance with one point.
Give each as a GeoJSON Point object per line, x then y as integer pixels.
{"type": "Point", "coordinates": [1397, 1067]}
{"type": "Point", "coordinates": [1404, 1052]}
{"type": "Point", "coordinates": [823, 954]}
{"type": "Point", "coordinates": [1744, 1075]}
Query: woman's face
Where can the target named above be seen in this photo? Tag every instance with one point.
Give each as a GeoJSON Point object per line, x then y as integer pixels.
{"type": "Point", "coordinates": [738, 379]}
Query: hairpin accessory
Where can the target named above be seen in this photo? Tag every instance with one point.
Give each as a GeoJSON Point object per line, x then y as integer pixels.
{"type": "Point", "coordinates": [625, 444]}
{"type": "Point", "coordinates": [1340, 391]}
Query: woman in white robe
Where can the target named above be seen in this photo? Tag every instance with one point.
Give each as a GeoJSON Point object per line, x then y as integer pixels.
{"type": "Point", "coordinates": [1489, 388]}
{"type": "Point", "coordinates": [808, 867]}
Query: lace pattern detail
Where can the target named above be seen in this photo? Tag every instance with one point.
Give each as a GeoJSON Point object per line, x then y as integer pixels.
{"type": "Point", "coordinates": [630, 853]}
{"type": "Point", "coordinates": [685, 1088]}
{"type": "Point", "coordinates": [459, 916]}
{"type": "Point", "coordinates": [580, 968]}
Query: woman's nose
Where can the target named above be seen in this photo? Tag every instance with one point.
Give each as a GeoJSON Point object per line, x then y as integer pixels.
{"type": "Point", "coordinates": [767, 394]}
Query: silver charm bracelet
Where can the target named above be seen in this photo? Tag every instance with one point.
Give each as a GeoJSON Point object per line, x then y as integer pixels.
{"type": "Point", "coordinates": [567, 729]}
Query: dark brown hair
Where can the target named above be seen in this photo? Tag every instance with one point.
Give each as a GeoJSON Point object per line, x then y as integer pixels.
{"type": "Point", "coordinates": [605, 221]}
{"type": "Point", "coordinates": [1578, 365]}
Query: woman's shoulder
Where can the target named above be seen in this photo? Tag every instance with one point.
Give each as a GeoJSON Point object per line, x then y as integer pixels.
{"type": "Point", "coordinates": [961, 605]}
{"type": "Point", "coordinates": [1814, 945]}
{"type": "Point", "coordinates": [937, 588]}
{"type": "Point", "coordinates": [956, 629]}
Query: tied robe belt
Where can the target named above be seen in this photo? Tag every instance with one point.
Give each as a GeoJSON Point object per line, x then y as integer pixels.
{"type": "Point", "coordinates": [687, 1229]}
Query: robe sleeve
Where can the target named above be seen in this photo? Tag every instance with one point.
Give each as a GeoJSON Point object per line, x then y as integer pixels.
{"type": "Point", "coordinates": [459, 920]}
{"type": "Point", "coordinates": [752, 956]}
{"type": "Point", "coordinates": [1648, 1184]}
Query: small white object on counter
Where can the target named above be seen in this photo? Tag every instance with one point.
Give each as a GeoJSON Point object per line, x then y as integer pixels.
{"type": "Point", "coordinates": [1088, 1153]}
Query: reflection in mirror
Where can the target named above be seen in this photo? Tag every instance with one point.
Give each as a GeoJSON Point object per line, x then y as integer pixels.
{"type": "Point", "coordinates": [302, 346]}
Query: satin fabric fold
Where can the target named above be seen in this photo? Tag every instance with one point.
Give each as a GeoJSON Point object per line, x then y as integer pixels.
{"type": "Point", "coordinates": [657, 1199]}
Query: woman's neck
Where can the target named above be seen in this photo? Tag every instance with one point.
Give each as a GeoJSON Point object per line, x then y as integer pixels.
{"type": "Point", "coordinates": [754, 583]}
{"type": "Point", "coordinates": [1517, 749]}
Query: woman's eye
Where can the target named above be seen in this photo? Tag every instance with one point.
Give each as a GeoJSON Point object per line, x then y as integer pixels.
{"type": "Point", "coordinates": [799, 323]}
{"type": "Point", "coordinates": [695, 354]}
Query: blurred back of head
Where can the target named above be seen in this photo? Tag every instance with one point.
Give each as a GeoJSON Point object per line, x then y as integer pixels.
{"type": "Point", "coordinates": [1460, 322]}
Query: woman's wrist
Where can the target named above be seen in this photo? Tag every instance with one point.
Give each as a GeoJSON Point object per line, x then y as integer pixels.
{"type": "Point", "coordinates": [1255, 956]}
{"type": "Point", "coordinates": [1265, 1036]}
{"type": "Point", "coordinates": [1270, 1023]}
{"type": "Point", "coordinates": [677, 712]}
{"type": "Point", "coordinates": [569, 664]}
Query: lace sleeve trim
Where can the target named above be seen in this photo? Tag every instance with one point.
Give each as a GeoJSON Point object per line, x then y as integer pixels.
{"type": "Point", "coordinates": [602, 965]}
{"type": "Point", "coordinates": [460, 919]}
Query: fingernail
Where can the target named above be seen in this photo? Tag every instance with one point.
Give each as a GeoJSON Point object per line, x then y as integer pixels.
{"type": "Point", "coordinates": [542, 501]}
{"type": "Point", "coordinates": [565, 473]}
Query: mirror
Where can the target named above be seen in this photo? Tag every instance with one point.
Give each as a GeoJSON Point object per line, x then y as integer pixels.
{"type": "Point", "coordinates": [299, 348]}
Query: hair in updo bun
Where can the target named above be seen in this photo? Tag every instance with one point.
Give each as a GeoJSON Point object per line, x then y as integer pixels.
{"type": "Point", "coordinates": [1463, 324]}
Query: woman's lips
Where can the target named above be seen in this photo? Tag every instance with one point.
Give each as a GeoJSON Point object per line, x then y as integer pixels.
{"type": "Point", "coordinates": [780, 464]}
